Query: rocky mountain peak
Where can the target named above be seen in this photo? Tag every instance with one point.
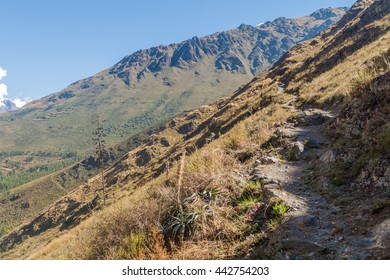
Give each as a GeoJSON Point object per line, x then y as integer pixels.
{"type": "Point", "coordinates": [246, 49]}
{"type": "Point", "coordinates": [325, 13]}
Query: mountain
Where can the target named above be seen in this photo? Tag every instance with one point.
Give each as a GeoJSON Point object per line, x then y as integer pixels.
{"type": "Point", "coordinates": [141, 90]}
{"type": "Point", "coordinates": [155, 84]}
{"type": "Point", "coordinates": [245, 50]}
{"type": "Point", "coordinates": [293, 165]}
{"type": "Point", "coordinates": [7, 105]}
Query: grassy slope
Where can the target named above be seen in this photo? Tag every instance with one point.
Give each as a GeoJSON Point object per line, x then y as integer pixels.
{"type": "Point", "coordinates": [212, 172]}
{"type": "Point", "coordinates": [118, 105]}
{"type": "Point", "coordinates": [61, 124]}
{"type": "Point", "coordinates": [26, 201]}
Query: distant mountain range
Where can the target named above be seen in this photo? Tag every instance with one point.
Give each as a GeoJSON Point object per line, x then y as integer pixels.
{"type": "Point", "coordinates": [7, 105]}
{"type": "Point", "coordinates": [245, 50]}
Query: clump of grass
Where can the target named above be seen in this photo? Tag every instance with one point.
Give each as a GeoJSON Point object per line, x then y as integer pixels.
{"type": "Point", "coordinates": [275, 212]}
{"type": "Point", "coordinates": [3, 230]}
{"type": "Point", "coordinates": [344, 171]}
{"type": "Point", "coordinates": [278, 210]}
{"type": "Point", "coordinates": [233, 142]}
{"type": "Point", "coordinates": [363, 85]}
{"type": "Point", "coordinates": [236, 139]}
{"type": "Point", "coordinates": [133, 246]}
{"type": "Point", "coordinates": [291, 156]}
{"type": "Point", "coordinates": [250, 196]}
{"type": "Point", "coordinates": [252, 188]}
{"type": "Point", "coordinates": [361, 80]}
{"type": "Point", "coordinates": [248, 202]}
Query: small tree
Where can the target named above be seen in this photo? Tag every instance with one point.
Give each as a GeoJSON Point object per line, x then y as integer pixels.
{"type": "Point", "coordinates": [100, 152]}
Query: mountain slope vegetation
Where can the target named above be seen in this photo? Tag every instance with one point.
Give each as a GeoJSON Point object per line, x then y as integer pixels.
{"type": "Point", "coordinates": [145, 88]}
{"type": "Point", "coordinates": [294, 165]}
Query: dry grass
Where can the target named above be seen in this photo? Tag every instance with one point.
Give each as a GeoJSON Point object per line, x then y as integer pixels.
{"type": "Point", "coordinates": [334, 87]}
{"type": "Point", "coordinates": [204, 220]}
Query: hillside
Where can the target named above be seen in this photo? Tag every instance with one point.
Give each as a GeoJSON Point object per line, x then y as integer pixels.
{"type": "Point", "coordinates": [294, 165]}
{"type": "Point", "coordinates": [141, 90]}
{"type": "Point", "coordinates": [44, 137]}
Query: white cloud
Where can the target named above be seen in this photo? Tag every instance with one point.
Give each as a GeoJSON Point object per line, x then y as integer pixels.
{"type": "Point", "coordinates": [3, 87]}
{"type": "Point", "coordinates": [3, 73]}
{"type": "Point", "coordinates": [3, 91]}
{"type": "Point", "coordinates": [21, 102]}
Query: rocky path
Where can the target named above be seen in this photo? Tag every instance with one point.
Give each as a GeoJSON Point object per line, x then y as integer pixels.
{"type": "Point", "coordinates": [312, 228]}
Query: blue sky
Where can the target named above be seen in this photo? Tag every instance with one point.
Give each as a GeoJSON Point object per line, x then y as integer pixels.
{"type": "Point", "coordinates": [46, 45]}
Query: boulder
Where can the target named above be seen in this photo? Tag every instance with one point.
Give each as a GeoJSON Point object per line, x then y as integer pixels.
{"type": "Point", "coordinates": [302, 245]}
{"type": "Point", "coordinates": [328, 157]}
{"type": "Point", "coordinates": [267, 160]}
{"type": "Point", "coordinates": [295, 150]}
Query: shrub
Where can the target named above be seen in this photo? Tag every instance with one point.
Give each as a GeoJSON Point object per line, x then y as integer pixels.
{"type": "Point", "coordinates": [133, 246]}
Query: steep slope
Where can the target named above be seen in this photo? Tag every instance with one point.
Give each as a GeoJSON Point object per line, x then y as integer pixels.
{"type": "Point", "coordinates": [26, 201]}
{"type": "Point", "coordinates": [154, 84]}
{"type": "Point", "coordinates": [268, 174]}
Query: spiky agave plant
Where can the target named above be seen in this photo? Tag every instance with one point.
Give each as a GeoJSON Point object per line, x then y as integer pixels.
{"type": "Point", "coordinates": [183, 224]}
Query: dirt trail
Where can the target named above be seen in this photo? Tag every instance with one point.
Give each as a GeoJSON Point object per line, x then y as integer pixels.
{"type": "Point", "coordinates": [313, 228]}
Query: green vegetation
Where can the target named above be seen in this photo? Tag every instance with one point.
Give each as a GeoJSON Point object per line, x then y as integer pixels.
{"type": "Point", "coordinates": [182, 225]}
{"type": "Point", "coordinates": [248, 202]}
{"type": "Point", "coordinates": [251, 194]}
{"type": "Point", "coordinates": [132, 246]}
{"type": "Point", "coordinates": [14, 178]}
{"type": "Point", "coordinates": [279, 209]}
{"type": "Point", "coordinates": [3, 230]}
